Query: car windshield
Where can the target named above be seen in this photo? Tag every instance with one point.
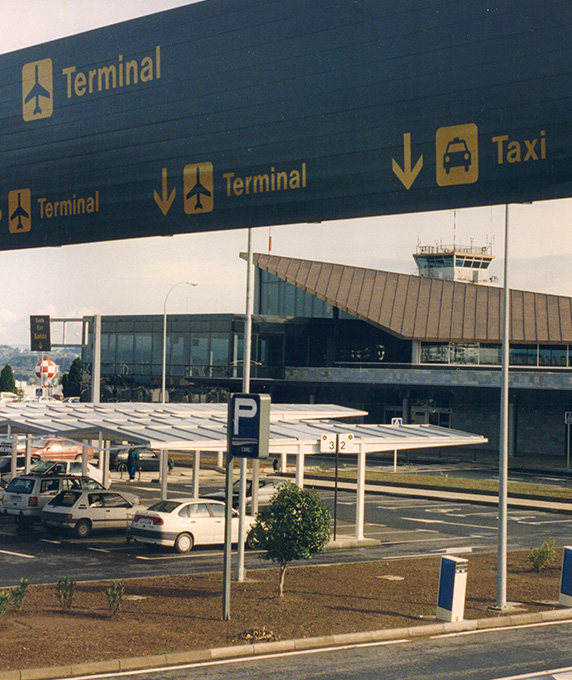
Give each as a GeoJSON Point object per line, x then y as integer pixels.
{"type": "Point", "coordinates": [44, 466]}
{"type": "Point", "coordinates": [89, 483]}
{"type": "Point", "coordinates": [164, 506]}
{"type": "Point", "coordinates": [20, 485]}
{"type": "Point", "coordinates": [65, 499]}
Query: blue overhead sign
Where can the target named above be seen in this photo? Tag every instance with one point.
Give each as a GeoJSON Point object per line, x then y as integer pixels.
{"type": "Point", "coordinates": [234, 113]}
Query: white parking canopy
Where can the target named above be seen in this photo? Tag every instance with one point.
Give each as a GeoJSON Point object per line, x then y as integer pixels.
{"type": "Point", "coordinates": [294, 429]}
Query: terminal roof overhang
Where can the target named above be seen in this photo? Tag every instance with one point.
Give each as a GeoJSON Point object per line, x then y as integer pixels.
{"type": "Point", "coordinates": [426, 309]}
{"type": "Point", "coordinates": [202, 427]}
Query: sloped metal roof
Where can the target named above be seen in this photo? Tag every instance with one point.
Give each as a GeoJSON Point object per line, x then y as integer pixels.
{"type": "Point", "coordinates": [421, 308]}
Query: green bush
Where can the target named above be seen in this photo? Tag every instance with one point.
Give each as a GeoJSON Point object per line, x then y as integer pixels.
{"type": "Point", "coordinates": [65, 591]}
{"type": "Point", "coordinates": [18, 594]}
{"type": "Point", "coordinates": [115, 593]}
{"type": "Point", "coordinates": [295, 526]}
{"type": "Point", "coordinates": [5, 600]}
{"type": "Point", "coordinates": [543, 557]}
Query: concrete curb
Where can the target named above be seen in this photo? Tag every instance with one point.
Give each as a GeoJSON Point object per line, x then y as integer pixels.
{"type": "Point", "coordinates": [198, 656]}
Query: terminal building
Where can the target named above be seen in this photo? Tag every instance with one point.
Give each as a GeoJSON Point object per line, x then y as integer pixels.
{"type": "Point", "coordinates": [425, 348]}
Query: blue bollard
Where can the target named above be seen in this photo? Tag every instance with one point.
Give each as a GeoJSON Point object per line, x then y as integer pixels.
{"type": "Point", "coordinates": [452, 589]}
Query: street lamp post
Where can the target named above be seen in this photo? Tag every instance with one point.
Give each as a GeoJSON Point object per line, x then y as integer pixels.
{"type": "Point", "coordinates": [164, 372]}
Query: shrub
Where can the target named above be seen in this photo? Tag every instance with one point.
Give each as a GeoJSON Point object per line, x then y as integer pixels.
{"type": "Point", "coordinates": [4, 603]}
{"type": "Point", "coordinates": [65, 591]}
{"type": "Point", "coordinates": [542, 557]}
{"type": "Point", "coordinates": [115, 593]}
{"type": "Point", "coordinates": [18, 594]}
{"type": "Point", "coordinates": [295, 526]}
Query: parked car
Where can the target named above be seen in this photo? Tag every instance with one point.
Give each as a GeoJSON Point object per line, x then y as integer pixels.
{"type": "Point", "coordinates": [181, 523]}
{"type": "Point", "coordinates": [68, 467]}
{"type": "Point", "coordinates": [85, 511]}
{"type": "Point", "coordinates": [6, 464]}
{"type": "Point", "coordinates": [59, 449]}
{"type": "Point", "coordinates": [148, 460]}
{"type": "Point", "coordinates": [3, 485]}
{"type": "Point", "coordinates": [267, 487]}
{"type": "Point", "coordinates": [26, 495]}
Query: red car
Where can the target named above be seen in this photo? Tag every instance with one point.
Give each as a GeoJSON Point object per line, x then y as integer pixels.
{"type": "Point", "coordinates": [59, 449]}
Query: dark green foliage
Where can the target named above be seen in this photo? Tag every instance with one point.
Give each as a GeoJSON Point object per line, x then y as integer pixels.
{"type": "Point", "coordinates": [295, 526]}
{"type": "Point", "coordinates": [543, 557]}
{"type": "Point", "coordinates": [71, 381]}
{"type": "Point", "coordinates": [5, 600]}
{"type": "Point", "coordinates": [18, 594]}
{"type": "Point", "coordinates": [7, 380]}
{"type": "Point", "coordinates": [65, 591]}
{"type": "Point", "coordinates": [115, 593]}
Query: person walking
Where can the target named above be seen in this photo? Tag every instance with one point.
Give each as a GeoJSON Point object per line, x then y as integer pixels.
{"type": "Point", "coordinates": [132, 462]}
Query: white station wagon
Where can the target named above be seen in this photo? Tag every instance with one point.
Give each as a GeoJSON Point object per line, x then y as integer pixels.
{"type": "Point", "coordinates": [182, 523]}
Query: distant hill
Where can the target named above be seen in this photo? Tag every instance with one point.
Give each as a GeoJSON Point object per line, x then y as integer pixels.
{"type": "Point", "coordinates": [23, 362]}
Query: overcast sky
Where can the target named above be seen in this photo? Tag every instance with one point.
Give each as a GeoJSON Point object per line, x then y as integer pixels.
{"type": "Point", "coordinates": [133, 277]}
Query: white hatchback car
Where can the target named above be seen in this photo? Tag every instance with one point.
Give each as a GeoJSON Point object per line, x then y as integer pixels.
{"type": "Point", "coordinates": [181, 523]}
{"type": "Point", "coordinates": [84, 511]}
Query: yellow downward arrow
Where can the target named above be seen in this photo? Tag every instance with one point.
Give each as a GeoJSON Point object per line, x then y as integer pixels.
{"type": "Point", "coordinates": [165, 201]}
{"type": "Point", "coordinates": [408, 175]}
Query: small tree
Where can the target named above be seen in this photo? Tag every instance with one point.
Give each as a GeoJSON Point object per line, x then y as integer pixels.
{"type": "Point", "coordinates": [7, 380]}
{"type": "Point", "coordinates": [295, 526]}
{"type": "Point", "coordinates": [71, 381]}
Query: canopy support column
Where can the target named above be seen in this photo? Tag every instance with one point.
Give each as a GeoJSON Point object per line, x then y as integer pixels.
{"type": "Point", "coordinates": [360, 493]}
{"type": "Point", "coordinates": [300, 468]}
{"type": "Point", "coordinates": [196, 472]}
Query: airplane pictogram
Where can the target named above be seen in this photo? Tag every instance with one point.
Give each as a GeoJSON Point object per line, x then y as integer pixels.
{"type": "Point", "coordinates": [37, 90]}
{"type": "Point", "coordinates": [198, 190]}
{"type": "Point", "coordinates": [19, 215]}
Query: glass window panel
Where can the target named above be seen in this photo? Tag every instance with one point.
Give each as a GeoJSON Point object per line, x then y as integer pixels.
{"type": "Point", "coordinates": [552, 355]}
{"type": "Point", "coordinates": [219, 349]}
{"type": "Point", "coordinates": [434, 353]}
{"type": "Point", "coordinates": [464, 353]}
{"type": "Point", "coordinates": [179, 349]}
{"type": "Point", "coordinates": [523, 355]}
{"type": "Point", "coordinates": [490, 354]}
{"type": "Point", "coordinates": [124, 348]}
{"type": "Point", "coordinates": [200, 349]}
{"type": "Point", "coordinates": [142, 353]}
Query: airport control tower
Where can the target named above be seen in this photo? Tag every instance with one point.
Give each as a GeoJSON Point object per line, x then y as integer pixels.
{"type": "Point", "coordinates": [455, 262]}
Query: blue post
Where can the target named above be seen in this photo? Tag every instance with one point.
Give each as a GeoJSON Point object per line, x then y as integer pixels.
{"type": "Point", "coordinates": [566, 579]}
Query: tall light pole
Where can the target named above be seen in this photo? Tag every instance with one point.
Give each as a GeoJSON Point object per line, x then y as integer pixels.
{"type": "Point", "coordinates": [164, 372]}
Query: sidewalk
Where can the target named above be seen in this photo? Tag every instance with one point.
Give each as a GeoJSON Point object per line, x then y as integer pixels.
{"type": "Point", "coordinates": [209, 656]}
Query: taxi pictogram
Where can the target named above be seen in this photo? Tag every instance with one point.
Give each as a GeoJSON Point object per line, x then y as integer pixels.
{"type": "Point", "coordinates": [457, 154]}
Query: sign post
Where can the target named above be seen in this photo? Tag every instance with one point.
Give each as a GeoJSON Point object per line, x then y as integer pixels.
{"type": "Point", "coordinates": [248, 431]}
{"type": "Point", "coordinates": [336, 443]}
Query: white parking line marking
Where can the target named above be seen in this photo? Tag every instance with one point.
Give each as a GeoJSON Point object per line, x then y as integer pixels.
{"type": "Point", "coordinates": [15, 554]}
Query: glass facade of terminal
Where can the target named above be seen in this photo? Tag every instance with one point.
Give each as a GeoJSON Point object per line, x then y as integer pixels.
{"type": "Point", "coordinates": [489, 354]}
{"type": "Point", "coordinates": [292, 329]}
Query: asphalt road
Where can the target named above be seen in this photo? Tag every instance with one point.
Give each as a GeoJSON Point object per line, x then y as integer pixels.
{"type": "Point", "coordinates": [539, 652]}
{"type": "Point", "coordinates": [404, 527]}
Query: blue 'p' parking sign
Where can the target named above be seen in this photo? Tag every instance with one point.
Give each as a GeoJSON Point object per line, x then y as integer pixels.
{"type": "Point", "coordinates": [249, 425]}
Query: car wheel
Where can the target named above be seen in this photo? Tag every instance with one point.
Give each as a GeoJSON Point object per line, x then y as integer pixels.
{"type": "Point", "coordinates": [122, 467]}
{"type": "Point", "coordinates": [78, 457]}
{"type": "Point", "coordinates": [83, 528]}
{"type": "Point", "coordinates": [184, 543]}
